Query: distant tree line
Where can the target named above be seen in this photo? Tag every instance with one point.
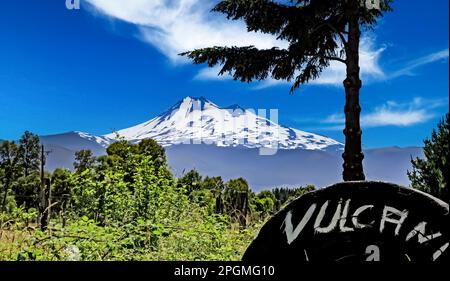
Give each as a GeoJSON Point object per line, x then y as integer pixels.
{"type": "Point", "coordinates": [236, 199]}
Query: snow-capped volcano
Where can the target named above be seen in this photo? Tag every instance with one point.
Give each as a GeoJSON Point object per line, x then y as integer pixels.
{"type": "Point", "coordinates": [237, 136]}
{"type": "Point", "coordinates": [198, 120]}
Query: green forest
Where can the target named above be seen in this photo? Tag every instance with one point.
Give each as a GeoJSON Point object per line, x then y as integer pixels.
{"type": "Point", "coordinates": [125, 205]}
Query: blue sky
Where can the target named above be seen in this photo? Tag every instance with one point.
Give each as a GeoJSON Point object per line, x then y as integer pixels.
{"type": "Point", "coordinates": [113, 64]}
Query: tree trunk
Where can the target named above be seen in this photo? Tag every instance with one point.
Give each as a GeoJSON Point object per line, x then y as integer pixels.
{"type": "Point", "coordinates": [353, 156]}
{"type": "Point", "coordinates": [219, 204]}
{"type": "Point", "coordinates": [63, 213]}
{"type": "Point", "coordinates": [6, 193]}
{"type": "Point", "coordinates": [49, 210]}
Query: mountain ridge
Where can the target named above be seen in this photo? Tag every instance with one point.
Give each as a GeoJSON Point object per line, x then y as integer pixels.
{"type": "Point", "coordinates": [302, 157]}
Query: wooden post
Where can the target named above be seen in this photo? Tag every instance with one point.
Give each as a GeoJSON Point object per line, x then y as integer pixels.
{"type": "Point", "coordinates": [63, 214]}
{"type": "Point", "coordinates": [49, 208]}
{"type": "Point", "coordinates": [42, 205]}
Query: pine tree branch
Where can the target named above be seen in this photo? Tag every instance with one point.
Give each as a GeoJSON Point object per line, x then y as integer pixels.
{"type": "Point", "coordinates": [339, 33]}
{"type": "Point", "coordinates": [266, 16]}
{"type": "Point", "coordinates": [327, 58]}
{"type": "Point", "coordinates": [335, 59]}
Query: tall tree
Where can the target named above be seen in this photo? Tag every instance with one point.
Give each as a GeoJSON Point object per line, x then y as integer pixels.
{"type": "Point", "coordinates": [432, 173]}
{"type": "Point", "coordinates": [216, 186]}
{"type": "Point", "coordinates": [122, 149]}
{"type": "Point", "coordinates": [236, 199]}
{"type": "Point", "coordinates": [29, 153]}
{"type": "Point", "coordinates": [264, 203]}
{"type": "Point", "coordinates": [61, 191]}
{"type": "Point", "coordinates": [150, 147]}
{"type": "Point", "coordinates": [8, 166]}
{"type": "Point", "coordinates": [84, 160]}
{"type": "Point", "coordinates": [213, 183]}
{"type": "Point", "coordinates": [192, 180]}
{"type": "Point", "coordinates": [318, 32]}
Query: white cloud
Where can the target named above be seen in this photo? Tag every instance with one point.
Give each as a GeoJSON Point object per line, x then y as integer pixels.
{"type": "Point", "coordinates": [210, 73]}
{"type": "Point", "coordinates": [431, 58]}
{"type": "Point", "coordinates": [386, 116]}
{"type": "Point", "coordinates": [334, 119]}
{"type": "Point", "coordinates": [391, 113]}
{"type": "Point", "coordinates": [175, 26]}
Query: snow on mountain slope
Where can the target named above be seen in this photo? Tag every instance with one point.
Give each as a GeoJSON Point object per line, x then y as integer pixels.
{"type": "Point", "coordinates": [103, 141]}
{"type": "Point", "coordinates": [197, 120]}
{"type": "Point", "coordinates": [75, 141]}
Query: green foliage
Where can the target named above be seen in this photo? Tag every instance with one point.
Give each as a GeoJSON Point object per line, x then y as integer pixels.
{"type": "Point", "coordinates": [192, 180]}
{"type": "Point", "coordinates": [204, 198]}
{"type": "Point", "coordinates": [126, 205]}
{"type": "Point", "coordinates": [29, 153]}
{"type": "Point", "coordinates": [146, 218]}
{"type": "Point", "coordinates": [150, 147]}
{"type": "Point", "coordinates": [19, 171]}
{"type": "Point", "coordinates": [236, 200]}
{"type": "Point", "coordinates": [264, 203]}
{"type": "Point", "coordinates": [215, 184]}
{"type": "Point", "coordinates": [83, 160]}
{"type": "Point", "coordinates": [26, 190]}
{"type": "Point", "coordinates": [432, 174]}
{"type": "Point", "coordinates": [61, 189]}
{"type": "Point", "coordinates": [193, 237]}
{"type": "Point", "coordinates": [9, 169]}
{"type": "Point", "coordinates": [121, 149]}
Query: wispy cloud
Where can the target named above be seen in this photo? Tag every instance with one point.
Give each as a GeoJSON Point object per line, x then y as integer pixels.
{"type": "Point", "coordinates": [210, 73]}
{"type": "Point", "coordinates": [392, 113]}
{"type": "Point", "coordinates": [334, 119]}
{"type": "Point", "coordinates": [175, 26]}
{"type": "Point", "coordinates": [408, 69]}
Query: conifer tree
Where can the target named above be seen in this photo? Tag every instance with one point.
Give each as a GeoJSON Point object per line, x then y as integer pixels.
{"type": "Point", "coordinates": [8, 168]}
{"type": "Point", "coordinates": [432, 174]}
{"type": "Point", "coordinates": [318, 32]}
{"type": "Point", "coordinates": [29, 153]}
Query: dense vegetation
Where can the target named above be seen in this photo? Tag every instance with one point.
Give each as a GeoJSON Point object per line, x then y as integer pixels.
{"type": "Point", "coordinates": [432, 173]}
{"type": "Point", "coordinates": [125, 205]}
